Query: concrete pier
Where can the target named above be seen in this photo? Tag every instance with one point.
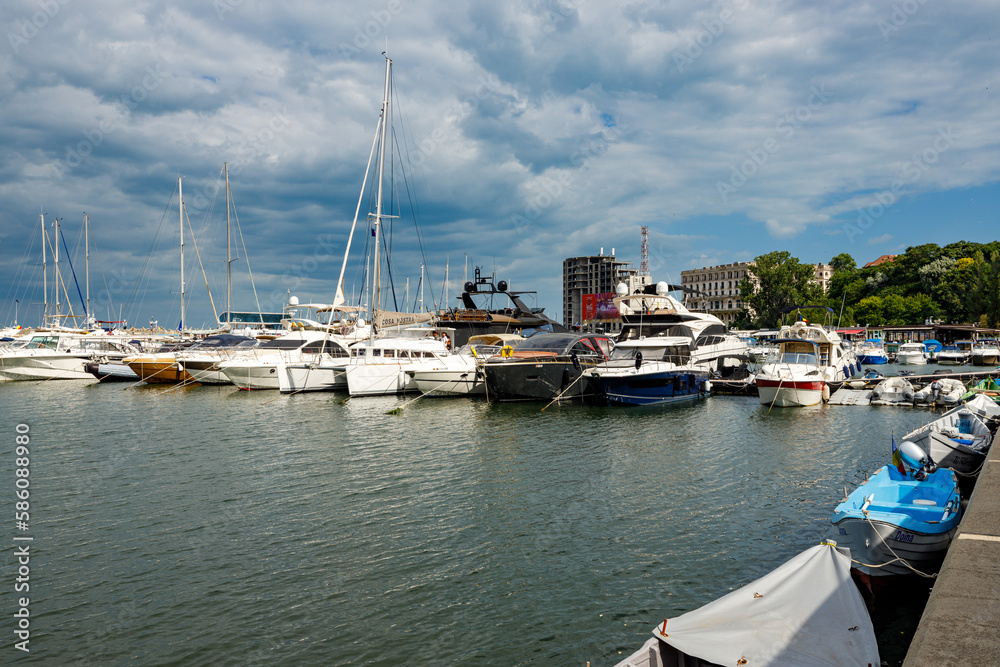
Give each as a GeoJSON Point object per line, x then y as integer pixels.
{"type": "Point", "coordinates": [961, 622]}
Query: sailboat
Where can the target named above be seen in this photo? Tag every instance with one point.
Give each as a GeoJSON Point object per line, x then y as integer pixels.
{"type": "Point", "coordinates": [377, 365]}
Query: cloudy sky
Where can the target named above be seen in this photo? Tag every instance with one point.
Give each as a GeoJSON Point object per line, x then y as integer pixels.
{"type": "Point", "coordinates": [529, 131]}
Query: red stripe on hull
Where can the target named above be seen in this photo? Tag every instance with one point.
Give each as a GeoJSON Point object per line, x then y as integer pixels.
{"type": "Point", "coordinates": [788, 384]}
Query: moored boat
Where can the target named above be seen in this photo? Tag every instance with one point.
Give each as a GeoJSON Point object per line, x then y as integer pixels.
{"type": "Point", "coordinates": [902, 518]}
{"type": "Point", "coordinates": [807, 611]}
{"type": "Point", "coordinates": [985, 352]}
{"type": "Point", "coordinates": [961, 438]}
{"type": "Point", "coordinates": [893, 391]}
{"type": "Point", "coordinates": [545, 367]}
{"type": "Point", "coordinates": [648, 371]}
{"type": "Point", "coordinates": [945, 392]}
{"type": "Point", "coordinates": [872, 352]}
{"type": "Point", "coordinates": [912, 354]}
{"type": "Point", "coordinates": [951, 355]}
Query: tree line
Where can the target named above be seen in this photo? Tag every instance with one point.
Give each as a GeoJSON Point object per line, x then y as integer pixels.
{"type": "Point", "coordinates": [957, 283]}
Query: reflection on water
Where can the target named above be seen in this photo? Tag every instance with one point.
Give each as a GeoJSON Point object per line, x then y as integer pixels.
{"type": "Point", "coordinates": [207, 525]}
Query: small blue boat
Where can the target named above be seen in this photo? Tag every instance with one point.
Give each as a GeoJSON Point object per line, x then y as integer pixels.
{"type": "Point", "coordinates": [872, 352]}
{"type": "Point", "coordinates": [903, 518]}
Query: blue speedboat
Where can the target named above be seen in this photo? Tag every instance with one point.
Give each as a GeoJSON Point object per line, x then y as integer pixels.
{"type": "Point", "coordinates": [903, 518]}
{"type": "Point", "coordinates": [872, 352]}
{"type": "Point", "coordinates": [649, 371]}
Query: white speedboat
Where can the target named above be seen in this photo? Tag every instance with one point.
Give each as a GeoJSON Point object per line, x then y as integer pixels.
{"type": "Point", "coordinates": [378, 367]}
{"type": "Point", "coordinates": [61, 355]}
{"type": "Point", "coordinates": [912, 354]}
{"type": "Point", "coordinates": [808, 357]}
{"type": "Point", "coordinates": [985, 352]}
{"type": "Point", "coordinates": [460, 374]}
{"type": "Point", "coordinates": [951, 355]}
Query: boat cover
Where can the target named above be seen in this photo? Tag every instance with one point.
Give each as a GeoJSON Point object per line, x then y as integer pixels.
{"type": "Point", "coordinates": [808, 611]}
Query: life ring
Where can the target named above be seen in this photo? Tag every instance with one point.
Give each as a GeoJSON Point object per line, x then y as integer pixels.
{"type": "Point", "coordinates": [506, 351]}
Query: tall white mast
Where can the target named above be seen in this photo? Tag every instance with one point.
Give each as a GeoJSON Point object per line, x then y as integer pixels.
{"type": "Point", "coordinates": [86, 245]}
{"type": "Point", "coordinates": [45, 279]}
{"type": "Point", "coordinates": [421, 287]}
{"type": "Point", "coordinates": [229, 257]}
{"type": "Point", "coordinates": [378, 204]}
{"type": "Point", "coordinates": [55, 224]}
{"type": "Point", "coordinates": [180, 216]}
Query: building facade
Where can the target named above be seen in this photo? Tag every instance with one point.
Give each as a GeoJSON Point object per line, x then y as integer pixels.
{"type": "Point", "coordinates": [585, 277]}
{"type": "Point", "coordinates": [716, 289]}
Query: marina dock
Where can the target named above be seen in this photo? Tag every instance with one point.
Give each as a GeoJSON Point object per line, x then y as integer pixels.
{"type": "Point", "coordinates": [959, 624]}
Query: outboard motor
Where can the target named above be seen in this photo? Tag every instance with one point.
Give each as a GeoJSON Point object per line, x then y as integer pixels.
{"type": "Point", "coordinates": [916, 460]}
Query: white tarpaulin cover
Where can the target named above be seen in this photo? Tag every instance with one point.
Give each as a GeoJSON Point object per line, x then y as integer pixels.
{"type": "Point", "coordinates": [806, 612]}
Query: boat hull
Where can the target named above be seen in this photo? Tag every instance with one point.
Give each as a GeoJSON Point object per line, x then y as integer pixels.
{"type": "Point", "coordinates": [790, 393]}
{"type": "Point", "coordinates": [378, 380]}
{"type": "Point", "coordinates": [112, 372]}
{"type": "Point", "coordinates": [159, 371]}
{"type": "Point", "coordinates": [654, 388]}
{"type": "Point", "coordinates": [260, 375]}
{"type": "Point", "coordinates": [449, 382]}
{"type": "Point", "coordinates": [295, 378]}
{"type": "Point", "coordinates": [41, 366]}
{"type": "Point", "coordinates": [536, 381]}
{"type": "Point", "coordinates": [205, 372]}
{"type": "Point", "coordinates": [879, 543]}
{"type": "Point", "coordinates": [872, 359]}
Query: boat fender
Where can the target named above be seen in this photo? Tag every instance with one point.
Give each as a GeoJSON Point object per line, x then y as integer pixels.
{"type": "Point", "coordinates": [826, 393]}
{"type": "Point", "coordinates": [506, 352]}
{"type": "Point", "coordinates": [576, 360]}
{"type": "Point", "coordinates": [472, 349]}
{"type": "Point", "coordinates": [638, 360]}
{"type": "Point", "coordinates": [707, 386]}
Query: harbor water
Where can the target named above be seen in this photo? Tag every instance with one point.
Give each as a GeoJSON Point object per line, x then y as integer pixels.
{"type": "Point", "coordinates": [207, 525]}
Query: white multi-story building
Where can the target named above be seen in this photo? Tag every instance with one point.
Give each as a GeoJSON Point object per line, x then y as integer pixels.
{"type": "Point", "coordinates": [716, 289]}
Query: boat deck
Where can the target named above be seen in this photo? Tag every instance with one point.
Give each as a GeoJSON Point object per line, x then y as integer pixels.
{"type": "Point", "coordinates": [959, 623]}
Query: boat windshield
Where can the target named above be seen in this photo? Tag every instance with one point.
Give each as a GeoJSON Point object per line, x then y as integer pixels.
{"type": "Point", "coordinates": [794, 358]}
{"type": "Point", "coordinates": [283, 344]}
{"type": "Point", "coordinates": [546, 342]}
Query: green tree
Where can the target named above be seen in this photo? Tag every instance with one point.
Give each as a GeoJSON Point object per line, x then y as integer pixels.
{"type": "Point", "coordinates": [843, 263]}
{"type": "Point", "coordinates": [951, 290]}
{"type": "Point", "coordinates": [776, 281]}
{"type": "Point", "coordinates": [868, 311]}
{"type": "Point", "coordinates": [931, 273]}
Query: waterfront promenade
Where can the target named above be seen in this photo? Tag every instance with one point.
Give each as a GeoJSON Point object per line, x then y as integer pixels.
{"type": "Point", "coordinates": [961, 622]}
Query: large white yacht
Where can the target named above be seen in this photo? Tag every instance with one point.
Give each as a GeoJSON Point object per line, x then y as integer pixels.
{"type": "Point", "coordinates": [654, 313]}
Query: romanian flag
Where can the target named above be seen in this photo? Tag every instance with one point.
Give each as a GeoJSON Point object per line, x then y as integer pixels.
{"type": "Point", "coordinates": [897, 459]}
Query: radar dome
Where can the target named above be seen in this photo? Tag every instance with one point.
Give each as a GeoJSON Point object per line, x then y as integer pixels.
{"type": "Point", "coordinates": [293, 301]}
{"type": "Point", "coordinates": [469, 286]}
{"type": "Point", "coordinates": [662, 288]}
{"type": "Point", "coordinates": [621, 289]}
{"type": "Point", "coordinates": [502, 286]}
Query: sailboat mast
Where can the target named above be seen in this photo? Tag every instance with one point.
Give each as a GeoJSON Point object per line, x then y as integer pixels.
{"type": "Point", "coordinates": [421, 287]}
{"type": "Point", "coordinates": [180, 217]}
{"type": "Point", "coordinates": [55, 224]}
{"type": "Point", "coordinates": [86, 245]}
{"type": "Point", "coordinates": [45, 270]}
{"type": "Point", "coordinates": [378, 203]}
{"type": "Point", "coordinates": [229, 256]}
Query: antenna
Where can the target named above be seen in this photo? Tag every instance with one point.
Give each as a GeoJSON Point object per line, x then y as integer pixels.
{"type": "Point", "coordinates": [644, 251]}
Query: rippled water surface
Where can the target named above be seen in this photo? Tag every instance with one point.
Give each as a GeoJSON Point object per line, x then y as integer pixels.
{"type": "Point", "coordinates": [211, 526]}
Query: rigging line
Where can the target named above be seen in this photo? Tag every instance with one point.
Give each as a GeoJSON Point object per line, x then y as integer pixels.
{"type": "Point", "coordinates": [420, 240]}
{"type": "Point", "coordinates": [60, 281]}
{"type": "Point", "coordinates": [73, 272]}
{"type": "Point", "coordinates": [198, 254]}
{"type": "Point", "coordinates": [134, 294]}
{"type": "Point", "coordinates": [246, 256]}
{"type": "Point", "coordinates": [21, 269]}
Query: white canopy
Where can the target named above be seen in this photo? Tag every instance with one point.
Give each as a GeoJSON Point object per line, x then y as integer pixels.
{"type": "Point", "coordinates": [806, 612]}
